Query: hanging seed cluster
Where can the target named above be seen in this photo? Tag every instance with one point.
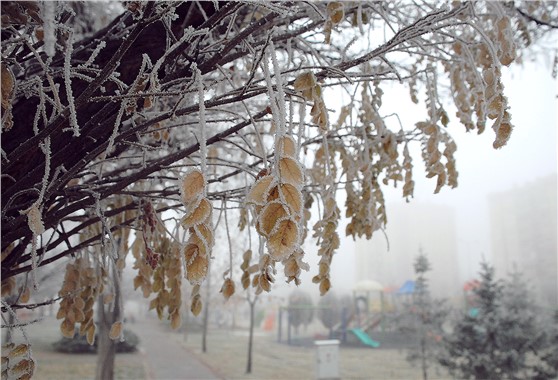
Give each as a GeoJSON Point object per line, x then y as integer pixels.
{"type": "Point", "coordinates": [326, 230]}
{"type": "Point", "coordinates": [264, 277]}
{"type": "Point", "coordinates": [431, 154]}
{"type": "Point", "coordinates": [142, 265]}
{"type": "Point", "coordinates": [294, 266]}
{"type": "Point", "coordinates": [82, 285]}
{"type": "Point", "coordinates": [143, 248]}
{"type": "Point", "coordinates": [482, 95]}
{"type": "Point", "coordinates": [198, 222]}
{"type": "Point", "coordinates": [17, 362]}
{"type": "Point", "coordinates": [375, 153]}
{"type": "Point", "coordinates": [245, 267]}
{"type": "Point", "coordinates": [167, 282]}
{"type": "Point", "coordinates": [409, 184]}
{"type": "Point", "coordinates": [159, 265]}
{"type": "Point", "coordinates": [311, 90]}
{"type": "Point", "coordinates": [335, 14]}
{"type": "Point", "coordinates": [277, 200]}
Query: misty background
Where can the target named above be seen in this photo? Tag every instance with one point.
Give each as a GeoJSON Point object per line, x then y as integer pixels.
{"type": "Point", "coordinates": [458, 228]}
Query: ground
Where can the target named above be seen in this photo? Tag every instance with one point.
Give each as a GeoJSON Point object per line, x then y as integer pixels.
{"type": "Point", "coordinates": [168, 355]}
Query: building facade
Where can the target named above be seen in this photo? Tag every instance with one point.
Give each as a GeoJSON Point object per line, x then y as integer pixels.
{"type": "Point", "coordinates": [524, 236]}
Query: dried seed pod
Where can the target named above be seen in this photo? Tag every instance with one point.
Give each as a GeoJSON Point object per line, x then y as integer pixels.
{"type": "Point", "coordinates": [270, 215]}
{"type": "Point", "coordinates": [67, 328]}
{"type": "Point", "coordinates": [24, 365]}
{"type": "Point", "coordinates": [196, 305]}
{"type": "Point", "coordinates": [260, 190]}
{"type": "Point", "coordinates": [196, 263]}
{"type": "Point", "coordinates": [245, 280]}
{"type": "Point", "coordinates": [287, 146]}
{"type": "Point", "coordinates": [290, 171]}
{"type": "Point", "coordinates": [228, 288]}
{"type": "Point", "coordinates": [7, 89]}
{"type": "Point", "coordinates": [325, 285]}
{"type": "Point", "coordinates": [8, 286]}
{"type": "Point", "coordinates": [283, 241]}
{"type": "Point", "coordinates": [115, 330]}
{"type": "Point", "coordinates": [192, 186]}
{"type": "Point", "coordinates": [19, 350]}
{"type": "Point", "coordinates": [336, 12]}
{"type": "Point", "coordinates": [305, 81]}
{"type": "Point", "coordinates": [91, 335]}
{"type": "Point", "coordinates": [197, 215]}
{"type": "Point", "coordinates": [176, 320]}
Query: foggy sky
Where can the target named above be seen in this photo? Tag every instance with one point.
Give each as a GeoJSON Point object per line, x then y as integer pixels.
{"type": "Point", "coordinates": [530, 154]}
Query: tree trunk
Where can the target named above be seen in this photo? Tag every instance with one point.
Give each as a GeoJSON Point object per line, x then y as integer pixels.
{"type": "Point", "coordinates": [250, 336]}
{"type": "Point", "coordinates": [423, 357]}
{"type": "Point", "coordinates": [106, 347]}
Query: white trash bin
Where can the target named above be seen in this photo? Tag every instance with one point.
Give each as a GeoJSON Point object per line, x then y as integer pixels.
{"type": "Point", "coordinates": [327, 359]}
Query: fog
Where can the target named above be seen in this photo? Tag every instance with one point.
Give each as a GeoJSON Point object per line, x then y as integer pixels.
{"type": "Point", "coordinates": [529, 158]}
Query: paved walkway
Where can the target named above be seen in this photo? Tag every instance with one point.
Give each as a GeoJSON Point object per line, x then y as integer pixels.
{"type": "Point", "coordinates": [165, 358]}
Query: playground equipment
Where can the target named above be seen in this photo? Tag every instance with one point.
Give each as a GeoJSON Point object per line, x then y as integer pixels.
{"type": "Point", "coordinates": [357, 317]}
{"type": "Point", "coordinates": [364, 316]}
{"type": "Point", "coordinates": [365, 338]}
{"type": "Point", "coordinates": [365, 305]}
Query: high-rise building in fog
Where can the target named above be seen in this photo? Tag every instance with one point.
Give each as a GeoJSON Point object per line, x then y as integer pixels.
{"type": "Point", "coordinates": [412, 226]}
{"type": "Point", "coordinates": [524, 236]}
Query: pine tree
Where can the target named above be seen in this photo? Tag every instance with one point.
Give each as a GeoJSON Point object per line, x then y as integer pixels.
{"type": "Point", "coordinates": [497, 341]}
{"type": "Point", "coordinates": [547, 368]}
{"type": "Point", "coordinates": [521, 324]}
{"type": "Point", "coordinates": [427, 317]}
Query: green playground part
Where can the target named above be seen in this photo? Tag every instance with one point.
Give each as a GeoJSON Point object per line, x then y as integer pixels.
{"type": "Point", "coordinates": [364, 338]}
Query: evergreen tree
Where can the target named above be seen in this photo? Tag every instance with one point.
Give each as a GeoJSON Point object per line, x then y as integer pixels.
{"type": "Point", "coordinates": [329, 311]}
{"type": "Point", "coordinates": [427, 316]}
{"type": "Point", "coordinates": [496, 342]}
{"type": "Point", "coordinates": [547, 368]}
{"type": "Point", "coordinates": [521, 324]}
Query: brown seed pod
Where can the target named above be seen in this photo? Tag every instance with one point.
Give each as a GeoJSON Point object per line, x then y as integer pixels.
{"type": "Point", "coordinates": [192, 186]}
{"type": "Point", "coordinates": [196, 305]}
{"type": "Point", "coordinates": [260, 190]}
{"type": "Point", "coordinates": [290, 171]}
{"type": "Point", "coordinates": [115, 330]}
{"type": "Point", "coordinates": [228, 288]}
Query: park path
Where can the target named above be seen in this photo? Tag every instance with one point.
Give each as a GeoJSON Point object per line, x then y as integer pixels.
{"type": "Point", "coordinates": [164, 357]}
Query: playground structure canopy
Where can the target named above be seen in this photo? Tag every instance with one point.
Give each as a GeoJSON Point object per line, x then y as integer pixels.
{"type": "Point", "coordinates": [407, 288]}
{"type": "Point", "coordinates": [368, 285]}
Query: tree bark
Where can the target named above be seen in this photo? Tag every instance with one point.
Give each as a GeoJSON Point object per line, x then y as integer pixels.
{"type": "Point", "coordinates": [106, 347]}
{"type": "Point", "coordinates": [423, 357]}
{"type": "Point", "coordinates": [251, 336]}
{"type": "Point", "coordinates": [25, 166]}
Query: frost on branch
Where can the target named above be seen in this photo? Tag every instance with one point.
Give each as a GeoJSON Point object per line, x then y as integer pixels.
{"type": "Point", "coordinates": [131, 111]}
